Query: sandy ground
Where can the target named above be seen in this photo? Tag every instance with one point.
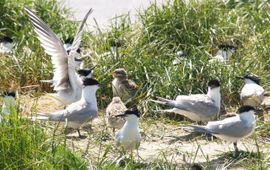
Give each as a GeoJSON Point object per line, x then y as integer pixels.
{"type": "Point", "coordinates": [160, 140]}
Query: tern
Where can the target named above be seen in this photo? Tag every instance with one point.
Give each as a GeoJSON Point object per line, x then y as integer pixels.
{"type": "Point", "coordinates": [180, 56]}
{"type": "Point", "coordinates": [197, 107]}
{"type": "Point", "coordinates": [115, 108]}
{"type": "Point", "coordinates": [122, 86]}
{"type": "Point", "coordinates": [6, 45]}
{"type": "Point", "coordinates": [224, 53]}
{"type": "Point", "coordinates": [8, 103]}
{"type": "Point", "coordinates": [252, 93]}
{"type": "Point", "coordinates": [231, 129]}
{"type": "Point", "coordinates": [129, 137]}
{"type": "Point", "coordinates": [76, 114]}
{"type": "Point", "coordinates": [66, 82]}
{"type": "Point", "coordinates": [77, 55]}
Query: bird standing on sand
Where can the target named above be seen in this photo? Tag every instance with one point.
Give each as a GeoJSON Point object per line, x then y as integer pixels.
{"type": "Point", "coordinates": [122, 86]}
{"type": "Point", "coordinates": [231, 129]}
{"type": "Point", "coordinates": [129, 137]}
{"type": "Point", "coordinates": [8, 103]}
{"type": "Point", "coordinates": [115, 108]}
{"type": "Point", "coordinates": [66, 82]}
{"type": "Point", "coordinates": [79, 112]}
{"type": "Point", "coordinates": [197, 107]}
{"type": "Point", "coordinates": [252, 93]}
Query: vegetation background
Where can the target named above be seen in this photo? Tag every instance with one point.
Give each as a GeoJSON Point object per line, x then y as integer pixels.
{"type": "Point", "coordinates": [147, 51]}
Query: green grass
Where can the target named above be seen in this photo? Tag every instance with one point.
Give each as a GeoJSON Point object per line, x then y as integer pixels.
{"type": "Point", "coordinates": [26, 145]}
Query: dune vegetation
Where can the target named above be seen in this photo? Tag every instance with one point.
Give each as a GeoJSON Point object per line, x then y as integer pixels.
{"type": "Point", "coordinates": [147, 51]}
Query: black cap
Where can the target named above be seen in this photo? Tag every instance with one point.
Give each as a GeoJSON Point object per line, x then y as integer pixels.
{"type": "Point", "coordinates": [84, 72]}
{"type": "Point", "coordinates": [253, 78]}
{"type": "Point", "coordinates": [9, 93]}
{"type": "Point", "coordinates": [245, 109]}
{"type": "Point", "coordinates": [213, 83]}
{"type": "Point", "coordinates": [7, 39]}
{"type": "Point", "coordinates": [69, 40]}
{"type": "Point", "coordinates": [133, 111]}
{"type": "Point", "coordinates": [90, 82]}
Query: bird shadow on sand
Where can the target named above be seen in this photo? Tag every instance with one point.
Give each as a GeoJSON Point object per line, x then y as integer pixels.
{"type": "Point", "coordinates": [226, 159]}
{"type": "Point", "coordinates": [188, 137]}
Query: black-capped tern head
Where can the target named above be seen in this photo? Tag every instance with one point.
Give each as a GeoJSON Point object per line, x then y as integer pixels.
{"type": "Point", "coordinates": [244, 109]}
{"type": "Point", "coordinates": [7, 39]}
{"type": "Point", "coordinates": [6, 44]}
{"type": "Point", "coordinates": [249, 78]}
{"type": "Point", "coordinates": [9, 93]}
{"type": "Point", "coordinates": [90, 82]}
{"type": "Point", "coordinates": [86, 72]}
{"type": "Point", "coordinates": [212, 84]}
{"type": "Point", "coordinates": [133, 112]}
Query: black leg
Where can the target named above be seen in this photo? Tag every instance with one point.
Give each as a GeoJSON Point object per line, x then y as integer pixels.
{"type": "Point", "coordinates": [79, 133]}
{"type": "Point", "coordinates": [236, 151]}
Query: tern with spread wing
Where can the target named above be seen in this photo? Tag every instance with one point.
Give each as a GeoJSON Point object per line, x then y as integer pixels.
{"type": "Point", "coordinates": [231, 129]}
{"type": "Point", "coordinates": [66, 82]}
{"type": "Point", "coordinates": [79, 112]}
{"type": "Point", "coordinates": [198, 107]}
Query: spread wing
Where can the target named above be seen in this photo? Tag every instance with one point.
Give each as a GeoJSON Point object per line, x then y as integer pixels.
{"type": "Point", "coordinates": [78, 38]}
{"type": "Point", "coordinates": [54, 47]}
{"type": "Point", "coordinates": [200, 104]}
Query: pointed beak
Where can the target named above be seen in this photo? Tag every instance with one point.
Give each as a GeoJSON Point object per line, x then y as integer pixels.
{"type": "Point", "coordinates": [240, 77]}
{"type": "Point", "coordinates": [120, 115]}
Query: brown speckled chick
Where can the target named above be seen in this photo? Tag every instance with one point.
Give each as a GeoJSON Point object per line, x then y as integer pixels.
{"type": "Point", "coordinates": [116, 107]}
{"type": "Point", "coordinates": [122, 86]}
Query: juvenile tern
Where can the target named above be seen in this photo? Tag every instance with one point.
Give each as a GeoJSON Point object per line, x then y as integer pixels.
{"type": "Point", "coordinates": [122, 86]}
{"type": "Point", "coordinates": [252, 93]}
{"type": "Point", "coordinates": [197, 107]}
{"type": "Point", "coordinates": [129, 137]}
{"type": "Point", "coordinates": [231, 129]}
{"type": "Point", "coordinates": [76, 114]}
{"type": "Point", "coordinates": [66, 82]}
{"type": "Point", "coordinates": [115, 108]}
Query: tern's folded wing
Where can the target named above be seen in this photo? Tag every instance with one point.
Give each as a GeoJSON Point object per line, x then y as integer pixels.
{"type": "Point", "coordinates": [199, 104]}
{"type": "Point", "coordinates": [233, 127]}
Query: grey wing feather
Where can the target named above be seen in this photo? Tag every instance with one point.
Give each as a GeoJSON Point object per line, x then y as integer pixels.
{"type": "Point", "coordinates": [232, 127]}
{"type": "Point", "coordinates": [54, 47]}
{"type": "Point", "coordinates": [78, 38]}
{"type": "Point", "coordinates": [200, 104]}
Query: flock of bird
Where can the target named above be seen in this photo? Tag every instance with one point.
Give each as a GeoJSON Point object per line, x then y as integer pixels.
{"type": "Point", "coordinates": [76, 88]}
